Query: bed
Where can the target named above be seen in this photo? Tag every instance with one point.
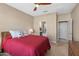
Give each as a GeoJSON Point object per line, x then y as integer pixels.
{"type": "Point", "coordinates": [31, 45]}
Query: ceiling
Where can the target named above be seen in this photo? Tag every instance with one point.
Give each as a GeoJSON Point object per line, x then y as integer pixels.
{"type": "Point", "coordinates": [58, 8]}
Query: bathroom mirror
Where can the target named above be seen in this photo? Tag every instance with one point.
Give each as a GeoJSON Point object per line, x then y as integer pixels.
{"type": "Point", "coordinates": [42, 28]}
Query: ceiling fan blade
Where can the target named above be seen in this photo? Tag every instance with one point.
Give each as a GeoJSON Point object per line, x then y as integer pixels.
{"type": "Point", "coordinates": [43, 3]}
{"type": "Point", "coordinates": [37, 4]}
{"type": "Point", "coordinates": [35, 9]}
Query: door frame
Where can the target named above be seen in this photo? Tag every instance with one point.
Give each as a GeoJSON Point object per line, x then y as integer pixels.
{"type": "Point", "coordinates": [69, 22]}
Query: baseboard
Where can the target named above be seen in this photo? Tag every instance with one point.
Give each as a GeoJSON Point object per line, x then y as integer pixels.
{"type": "Point", "coordinates": [53, 42]}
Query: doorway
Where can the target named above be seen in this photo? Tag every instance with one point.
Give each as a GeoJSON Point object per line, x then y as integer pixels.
{"type": "Point", "coordinates": [63, 30]}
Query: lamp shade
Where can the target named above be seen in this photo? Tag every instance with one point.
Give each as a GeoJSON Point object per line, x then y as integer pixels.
{"type": "Point", "coordinates": [30, 31]}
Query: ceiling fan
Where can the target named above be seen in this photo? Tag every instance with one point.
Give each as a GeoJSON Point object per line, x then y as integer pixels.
{"type": "Point", "coordinates": [38, 4]}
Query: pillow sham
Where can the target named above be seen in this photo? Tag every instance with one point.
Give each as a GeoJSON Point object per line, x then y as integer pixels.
{"type": "Point", "coordinates": [15, 34]}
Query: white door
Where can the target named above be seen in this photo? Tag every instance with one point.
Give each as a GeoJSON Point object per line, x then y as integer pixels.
{"type": "Point", "coordinates": [63, 30]}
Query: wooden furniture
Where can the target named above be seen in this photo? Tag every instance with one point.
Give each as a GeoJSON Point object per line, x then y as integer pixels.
{"type": "Point", "coordinates": [3, 34]}
{"type": "Point", "coordinates": [73, 48]}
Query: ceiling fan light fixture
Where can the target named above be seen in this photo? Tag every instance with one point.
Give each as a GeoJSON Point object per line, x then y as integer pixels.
{"type": "Point", "coordinates": [36, 5]}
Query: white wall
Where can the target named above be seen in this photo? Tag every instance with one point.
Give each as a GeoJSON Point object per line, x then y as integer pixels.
{"type": "Point", "coordinates": [75, 18]}
{"type": "Point", "coordinates": [51, 25]}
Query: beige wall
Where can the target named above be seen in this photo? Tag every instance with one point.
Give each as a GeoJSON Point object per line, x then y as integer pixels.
{"type": "Point", "coordinates": [12, 19]}
{"type": "Point", "coordinates": [64, 17]}
{"type": "Point", "coordinates": [51, 25]}
{"type": "Point", "coordinates": [75, 17]}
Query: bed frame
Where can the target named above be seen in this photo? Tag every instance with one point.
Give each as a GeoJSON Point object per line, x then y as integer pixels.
{"type": "Point", "coordinates": [3, 34]}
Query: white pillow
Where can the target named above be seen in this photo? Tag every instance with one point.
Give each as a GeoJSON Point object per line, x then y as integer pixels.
{"type": "Point", "coordinates": [25, 33]}
{"type": "Point", "coordinates": [15, 34]}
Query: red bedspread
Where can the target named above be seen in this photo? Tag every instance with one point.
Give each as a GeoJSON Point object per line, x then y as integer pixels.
{"type": "Point", "coordinates": [31, 45]}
